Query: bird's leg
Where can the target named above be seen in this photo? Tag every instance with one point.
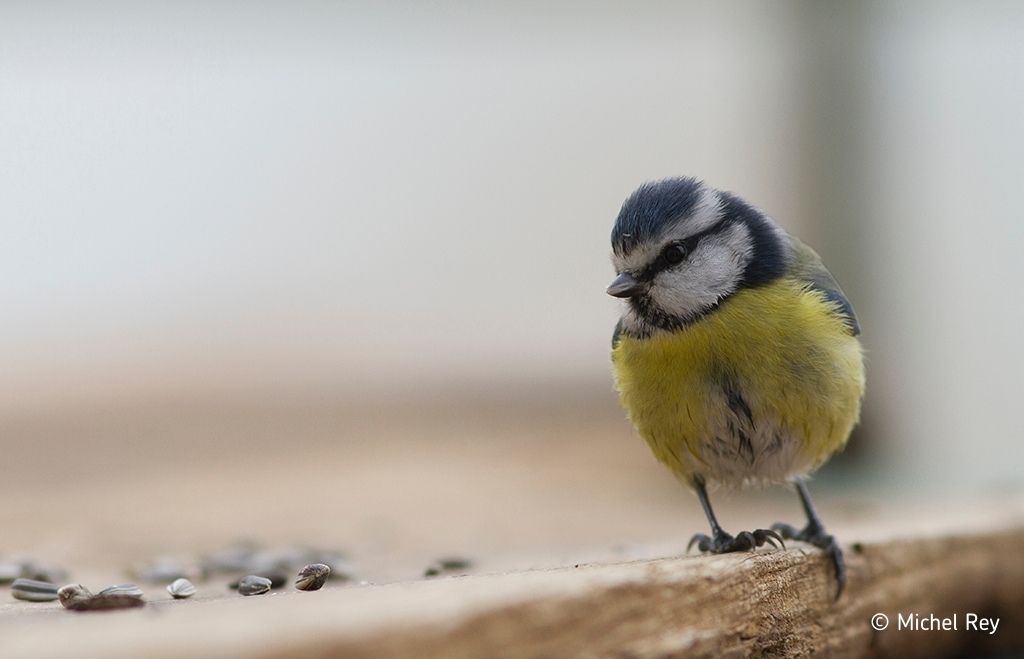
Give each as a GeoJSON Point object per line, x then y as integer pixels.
{"type": "Point", "coordinates": [814, 534]}
{"type": "Point", "coordinates": [720, 542]}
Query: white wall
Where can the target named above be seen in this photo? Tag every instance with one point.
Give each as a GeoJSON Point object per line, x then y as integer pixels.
{"type": "Point", "coordinates": [945, 163]}
{"type": "Point", "coordinates": [218, 196]}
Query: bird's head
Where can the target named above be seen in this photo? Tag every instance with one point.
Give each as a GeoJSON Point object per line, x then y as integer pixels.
{"type": "Point", "coordinates": [681, 247]}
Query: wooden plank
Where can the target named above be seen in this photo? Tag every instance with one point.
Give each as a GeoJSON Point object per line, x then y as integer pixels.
{"type": "Point", "coordinates": [776, 604]}
{"type": "Point", "coordinates": [530, 490]}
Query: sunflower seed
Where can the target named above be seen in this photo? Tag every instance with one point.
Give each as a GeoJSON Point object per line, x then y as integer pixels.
{"type": "Point", "coordinates": [127, 589]}
{"type": "Point", "coordinates": [313, 577]}
{"type": "Point", "coordinates": [32, 590]}
{"type": "Point", "coordinates": [71, 593]}
{"type": "Point", "coordinates": [276, 579]}
{"type": "Point", "coordinates": [105, 602]}
{"type": "Point", "coordinates": [253, 585]}
{"type": "Point", "coordinates": [181, 588]}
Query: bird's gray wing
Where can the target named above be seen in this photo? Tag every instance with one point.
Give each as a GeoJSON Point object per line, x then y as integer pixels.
{"type": "Point", "coordinates": [807, 267]}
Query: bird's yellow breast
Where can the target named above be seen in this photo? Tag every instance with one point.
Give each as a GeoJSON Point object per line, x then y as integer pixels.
{"type": "Point", "coordinates": [764, 388]}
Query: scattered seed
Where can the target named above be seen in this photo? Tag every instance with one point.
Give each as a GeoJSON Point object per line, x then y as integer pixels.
{"type": "Point", "coordinates": [313, 577]}
{"type": "Point", "coordinates": [276, 574]}
{"type": "Point", "coordinates": [253, 585]}
{"type": "Point", "coordinates": [105, 602]}
{"type": "Point", "coordinates": [127, 589]}
{"type": "Point", "coordinates": [276, 564]}
{"type": "Point", "coordinates": [71, 593]}
{"type": "Point", "coordinates": [277, 580]}
{"type": "Point", "coordinates": [341, 568]}
{"type": "Point", "coordinates": [32, 590]}
{"type": "Point", "coordinates": [181, 588]}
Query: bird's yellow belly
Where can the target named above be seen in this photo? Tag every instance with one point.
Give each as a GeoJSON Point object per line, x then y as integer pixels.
{"type": "Point", "coordinates": [763, 389]}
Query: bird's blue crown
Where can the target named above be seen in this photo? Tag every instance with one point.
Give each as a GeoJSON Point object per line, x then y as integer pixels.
{"type": "Point", "coordinates": [651, 208]}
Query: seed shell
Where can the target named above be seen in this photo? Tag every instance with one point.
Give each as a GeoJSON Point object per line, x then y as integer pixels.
{"type": "Point", "coordinates": [253, 585]}
{"type": "Point", "coordinates": [105, 602]}
{"type": "Point", "coordinates": [313, 577]}
{"type": "Point", "coordinates": [129, 589]}
{"type": "Point", "coordinates": [31, 590]}
{"type": "Point", "coordinates": [71, 593]}
{"type": "Point", "coordinates": [181, 588]}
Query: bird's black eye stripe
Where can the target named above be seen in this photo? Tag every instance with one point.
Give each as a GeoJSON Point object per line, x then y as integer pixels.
{"type": "Point", "coordinates": [691, 243]}
{"type": "Point", "coordinates": [676, 252]}
{"type": "Point", "coordinates": [672, 254]}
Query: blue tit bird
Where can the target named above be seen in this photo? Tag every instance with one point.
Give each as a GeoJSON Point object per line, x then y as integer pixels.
{"type": "Point", "coordinates": [736, 356]}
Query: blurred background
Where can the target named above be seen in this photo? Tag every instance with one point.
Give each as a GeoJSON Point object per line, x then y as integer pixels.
{"type": "Point", "coordinates": [264, 257]}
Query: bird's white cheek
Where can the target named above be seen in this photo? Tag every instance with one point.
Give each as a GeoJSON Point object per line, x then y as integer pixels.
{"type": "Point", "coordinates": [696, 287]}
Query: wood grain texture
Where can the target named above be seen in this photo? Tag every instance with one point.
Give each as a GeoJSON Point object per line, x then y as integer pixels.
{"type": "Point", "coordinates": [772, 604]}
{"type": "Point", "coordinates": [514, 493]}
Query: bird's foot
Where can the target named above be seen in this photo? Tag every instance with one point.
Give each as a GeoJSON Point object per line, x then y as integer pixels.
{"type": "Point", "coordinates": [814, 534]}
{"type": "Point", "coordinates": [723, 543]}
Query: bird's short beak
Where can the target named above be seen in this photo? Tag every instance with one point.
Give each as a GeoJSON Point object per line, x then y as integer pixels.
{"type": "Point", "coordinates": [625, 285]}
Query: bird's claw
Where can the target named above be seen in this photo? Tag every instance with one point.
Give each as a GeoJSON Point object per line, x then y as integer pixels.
{"type": "Point", "coordinates": [814, 534]}
{"type": "Point", "coordinates": [723, 543]}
